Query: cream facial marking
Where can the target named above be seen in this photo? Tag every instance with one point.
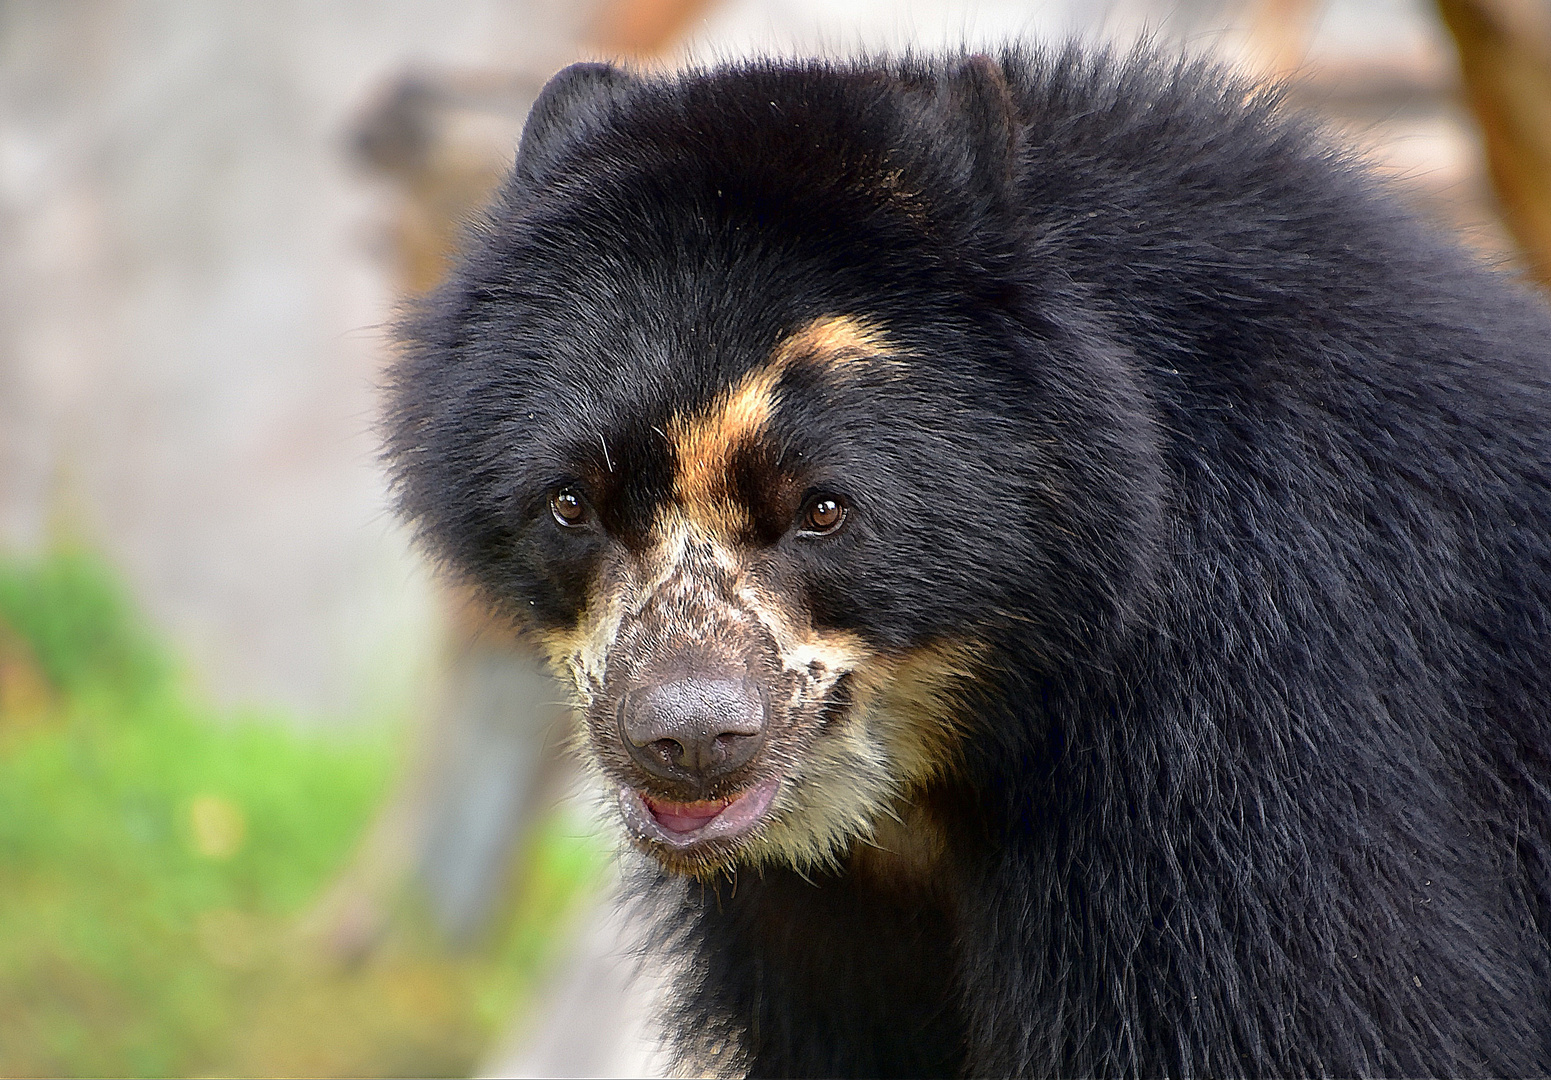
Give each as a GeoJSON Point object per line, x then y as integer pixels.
{"type": "Point", "coordinates": [625, 585]}
{"type": "Point", "coordinates": [900, 734]}
{"type": "Point", "coordinates": [832, 341]}
{"type": "Point", "coordinates": [705, 443]}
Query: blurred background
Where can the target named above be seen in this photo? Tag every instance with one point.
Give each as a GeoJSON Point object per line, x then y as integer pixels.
{"type": "Point", "coordinates": [273, 799]}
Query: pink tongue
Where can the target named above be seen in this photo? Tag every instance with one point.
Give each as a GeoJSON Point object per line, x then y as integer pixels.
{"type": "Point", "coordinates": [684, 817]}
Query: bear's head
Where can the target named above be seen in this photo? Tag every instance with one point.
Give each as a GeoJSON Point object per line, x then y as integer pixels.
{"type": "Point", "coordinates": [743, 407]}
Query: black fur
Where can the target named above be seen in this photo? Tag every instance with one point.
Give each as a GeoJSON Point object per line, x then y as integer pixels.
{"type": "Point", "coordinates": [1241, 473]}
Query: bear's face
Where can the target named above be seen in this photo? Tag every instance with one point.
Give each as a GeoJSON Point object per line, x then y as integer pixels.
{"type": "Point", "coordinates": [700, 568]}
{"type": "Point", "coordinates": [732, 701]}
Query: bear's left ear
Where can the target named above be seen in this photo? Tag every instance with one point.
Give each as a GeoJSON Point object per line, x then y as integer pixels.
{"type": "Point", "coordinates": [977, 99]}
{"type": "Point", "coordinates": [571, 99]}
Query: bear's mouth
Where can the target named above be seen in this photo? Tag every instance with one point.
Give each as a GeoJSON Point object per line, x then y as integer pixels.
{"type": "Point", "coordinates": [686, 825]}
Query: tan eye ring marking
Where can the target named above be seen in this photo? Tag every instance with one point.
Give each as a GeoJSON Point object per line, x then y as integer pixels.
{"type": "Point", "coordinates": [822, 515]}
{"type": "Point", "coordinates": [569, 508]}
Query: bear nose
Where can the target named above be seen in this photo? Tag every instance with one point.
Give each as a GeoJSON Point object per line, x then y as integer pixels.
{"type": "Point", "coordinates": [693, 729]}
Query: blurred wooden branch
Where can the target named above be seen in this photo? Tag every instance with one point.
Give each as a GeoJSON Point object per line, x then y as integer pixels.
{"type": "Point", "coordinates": [445, 140]}
{"type": "Point", "coordinates": [1505, 58]}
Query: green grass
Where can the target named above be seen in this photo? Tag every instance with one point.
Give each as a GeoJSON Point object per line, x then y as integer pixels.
{"type": "Point", "coordinates": [155, 857]}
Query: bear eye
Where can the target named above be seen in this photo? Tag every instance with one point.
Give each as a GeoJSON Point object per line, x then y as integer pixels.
{"type": "Point", "coordinates": [824, 514]}
{"type": "Point", "coordinates": [568, 507]}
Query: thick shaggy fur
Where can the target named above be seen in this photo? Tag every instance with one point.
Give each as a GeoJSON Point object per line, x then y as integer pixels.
{"type": "Point", "coordinates": [1233, 480]}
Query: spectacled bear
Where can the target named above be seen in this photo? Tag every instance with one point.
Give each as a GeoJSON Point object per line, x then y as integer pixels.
{"type": "Point", "coordinates": [1054, 564]}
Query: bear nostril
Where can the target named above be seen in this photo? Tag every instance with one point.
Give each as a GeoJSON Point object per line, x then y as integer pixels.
{"type": "Point", "coordinates": [670, 750]}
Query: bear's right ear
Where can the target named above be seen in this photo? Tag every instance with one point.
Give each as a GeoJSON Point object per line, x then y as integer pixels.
{"type": "Point", "coordinates": [979, 100]}
{"type": "Point", "coordinates": [570, 99]}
